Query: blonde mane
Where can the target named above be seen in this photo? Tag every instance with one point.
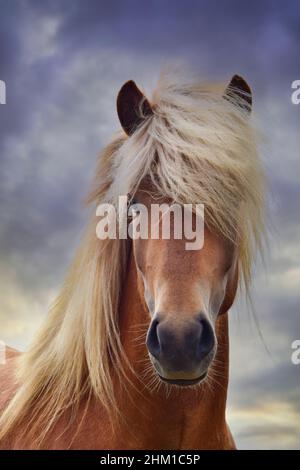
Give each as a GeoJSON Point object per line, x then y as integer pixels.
{"type": "Point", "coordinates": [197, 147]}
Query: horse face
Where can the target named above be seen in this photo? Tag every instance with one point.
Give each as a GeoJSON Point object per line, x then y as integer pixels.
{"type": "Point", "coordinates": [184, 291]}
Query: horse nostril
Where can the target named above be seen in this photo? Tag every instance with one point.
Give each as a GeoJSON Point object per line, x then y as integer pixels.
{"type": "Point", "coordinates": [206, 340]}
{"type": "Point", "coordinates": [152, 340]}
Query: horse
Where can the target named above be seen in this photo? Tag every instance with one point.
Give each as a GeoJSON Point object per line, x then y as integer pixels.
{"type": "Point", "coordinates": [134, 353]}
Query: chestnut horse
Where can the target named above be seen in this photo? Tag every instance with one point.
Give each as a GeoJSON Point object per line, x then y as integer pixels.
{"type": "Point", "coordinates": [134, 352]}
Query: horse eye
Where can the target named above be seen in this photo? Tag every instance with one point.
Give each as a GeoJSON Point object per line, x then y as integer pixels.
{"type": "Point", "coordinates": [133, 208]}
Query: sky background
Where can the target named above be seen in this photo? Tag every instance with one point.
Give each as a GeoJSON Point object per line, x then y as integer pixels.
{"type": "Point", "coordinates": [63, 63]}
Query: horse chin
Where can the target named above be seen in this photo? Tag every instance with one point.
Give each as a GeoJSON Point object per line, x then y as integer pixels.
{"type": "Point", "coordinates": [184, 382]}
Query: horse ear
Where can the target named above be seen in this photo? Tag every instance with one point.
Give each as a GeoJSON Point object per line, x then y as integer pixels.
{"type": "Point", "coordinates": [240, 88]}
{"type": "Point", "coordinates": [132, 106]}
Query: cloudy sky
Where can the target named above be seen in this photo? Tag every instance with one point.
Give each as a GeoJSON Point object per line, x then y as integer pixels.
{"type": "Point", "coordinates": [63, 63]}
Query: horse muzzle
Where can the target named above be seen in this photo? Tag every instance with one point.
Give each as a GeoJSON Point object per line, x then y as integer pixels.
{"type": "Point", "coordinates": [181, 353]}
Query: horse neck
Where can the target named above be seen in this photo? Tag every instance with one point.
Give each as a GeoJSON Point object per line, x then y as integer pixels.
{"type": "Point", "coordinates": [195, 413]}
